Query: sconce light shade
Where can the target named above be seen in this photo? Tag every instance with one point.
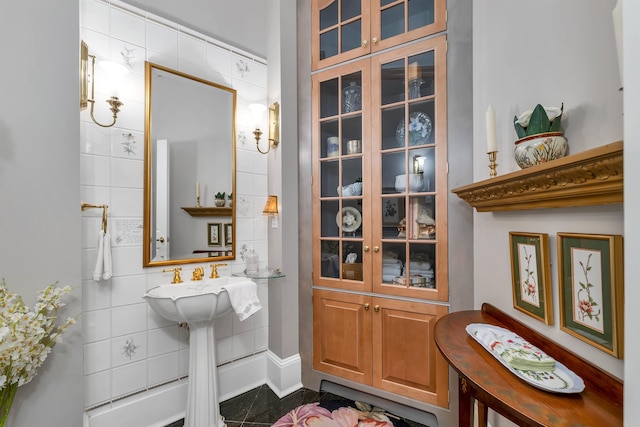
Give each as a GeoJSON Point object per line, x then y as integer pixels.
{"type": "Point", "coordinates": [114, 102]}
{"type": "Point", "coordinates": [271, 207]}
{"type": "Point", "coordinates": [274, 124]}
{"type": "Point", "coordinates": [418, 163]}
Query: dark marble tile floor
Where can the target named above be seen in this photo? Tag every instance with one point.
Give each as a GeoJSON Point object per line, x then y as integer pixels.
{"type": "Point", "coordinates": [261, 407]}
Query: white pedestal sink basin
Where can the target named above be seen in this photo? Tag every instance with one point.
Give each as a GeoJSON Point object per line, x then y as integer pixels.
{"type": "Point", "coordinates": [198, 304]}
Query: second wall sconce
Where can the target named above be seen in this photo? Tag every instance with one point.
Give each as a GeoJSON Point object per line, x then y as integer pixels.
{"type": "Point", "coordinates": [271, 209]}
{"type": "Point", "coordinates": [274, 124]}
{"type": "Point", "coordinates": [112, 68]}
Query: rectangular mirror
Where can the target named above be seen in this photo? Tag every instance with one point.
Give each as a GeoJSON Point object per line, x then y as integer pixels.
{"type": "Point", "coordinates": [189, 152]}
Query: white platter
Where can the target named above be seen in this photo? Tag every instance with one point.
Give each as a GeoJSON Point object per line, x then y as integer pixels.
{"type": "Point", "coordinates": [350, 218]}
{"type": "Point", "coordinates": [560, 380]}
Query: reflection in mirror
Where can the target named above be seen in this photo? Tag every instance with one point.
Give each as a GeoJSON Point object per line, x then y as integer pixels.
{"type": "Point", "coordinates": [189, 157]}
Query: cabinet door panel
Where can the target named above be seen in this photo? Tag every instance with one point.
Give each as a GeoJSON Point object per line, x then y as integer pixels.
{"type": "Point", "coordinates": [342, 335]}
{"type": "Point", "coordinates": [406, 360]}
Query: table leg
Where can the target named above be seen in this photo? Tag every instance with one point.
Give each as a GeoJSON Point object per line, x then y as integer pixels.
{"type": "Point", "coordinates": [482, 414]}
{"type": "Point", "coordinates": [465, 404]}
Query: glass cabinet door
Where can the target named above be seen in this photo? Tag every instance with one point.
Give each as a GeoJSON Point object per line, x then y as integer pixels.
{"type": "Point", "coordinates": [409, 188]}
{"type": "Point", "coordinates": [340, 30]}
{"type": "Point", "coordinates": [341, 160]}
{"type": "Point", "coordinates": [398, 21]}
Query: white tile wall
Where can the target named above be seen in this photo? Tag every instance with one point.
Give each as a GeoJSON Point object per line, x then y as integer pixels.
{"type": "Point", "coordinates": [128, 347]}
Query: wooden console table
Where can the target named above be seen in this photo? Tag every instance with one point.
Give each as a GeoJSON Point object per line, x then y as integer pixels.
{"type": "Point", "coordinates": [486, 380]}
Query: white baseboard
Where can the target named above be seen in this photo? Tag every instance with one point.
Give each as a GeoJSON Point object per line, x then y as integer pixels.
{"type": "Point", "coordinates": [284, 376]}
{"type": "Point", "coordinates": [166, 404]}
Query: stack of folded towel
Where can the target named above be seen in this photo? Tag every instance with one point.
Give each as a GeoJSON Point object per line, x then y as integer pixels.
{"type": "Point", "coordinates": [421, 268]}
{"type": "Point", "coordinates": [515, 351]}
{"type": "Point", "coordinates": [391, 268]}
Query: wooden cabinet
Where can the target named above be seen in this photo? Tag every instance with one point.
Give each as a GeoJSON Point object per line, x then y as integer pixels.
{"type": "Point", "coordinates": [380, 266]}
{"type": "Point", "coordinates": [346, 29]}
{"type": "Point", "coordinates": [381, 342]}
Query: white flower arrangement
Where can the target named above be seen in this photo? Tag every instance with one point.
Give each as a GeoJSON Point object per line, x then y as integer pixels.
{"type": "Point", "coordinates": [26, 338]}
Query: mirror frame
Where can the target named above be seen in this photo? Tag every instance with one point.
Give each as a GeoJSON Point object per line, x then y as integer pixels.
{"type": "Point", "coordinates": [148, 159]}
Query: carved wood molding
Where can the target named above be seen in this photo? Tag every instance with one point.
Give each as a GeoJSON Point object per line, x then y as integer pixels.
{"type": "Point", "coordinates": [592, 177]}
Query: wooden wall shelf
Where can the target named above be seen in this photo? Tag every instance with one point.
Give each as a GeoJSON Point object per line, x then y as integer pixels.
{"type": "Point", "coordinates": [208, 211]}
{"type": "Point", "coordinates": [592, 177]}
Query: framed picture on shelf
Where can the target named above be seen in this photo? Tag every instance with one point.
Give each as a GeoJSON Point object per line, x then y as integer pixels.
{"type": "Point", "coordinates": [590, 278]}
{"type": "Point", "coordinates": [392, 211]}
{"type": "Point", "coordinates": [228, 234]}
{"type": "Point", "coordinates": [214, 234]}
{"type": "Point", "coordinates": [530, 275]}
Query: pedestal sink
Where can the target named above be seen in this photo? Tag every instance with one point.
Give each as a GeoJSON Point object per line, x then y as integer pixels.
{"type": "Point", "coordinates": [198, 304]}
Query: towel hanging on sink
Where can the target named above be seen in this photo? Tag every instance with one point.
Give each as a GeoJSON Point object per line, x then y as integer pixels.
{"type": "Point", "coordinates": [244, 298]}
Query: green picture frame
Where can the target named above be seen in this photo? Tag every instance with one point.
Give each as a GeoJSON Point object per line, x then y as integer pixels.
{"type": "Point", "coordinates": [214, 234]}
{"type": "Point", "coordinates": [590, 278]}
{"type": "Point", "coordinates": [531, 275]}
{"type": "Point", "coordinates": [228, 234]}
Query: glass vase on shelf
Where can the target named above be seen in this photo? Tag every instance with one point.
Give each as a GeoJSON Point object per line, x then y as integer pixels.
{"type": "Point", "coordinates": [414, 88]}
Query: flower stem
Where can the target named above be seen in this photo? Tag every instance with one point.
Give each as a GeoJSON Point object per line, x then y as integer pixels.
{"type": "Point", "coordinates": [6, 400]}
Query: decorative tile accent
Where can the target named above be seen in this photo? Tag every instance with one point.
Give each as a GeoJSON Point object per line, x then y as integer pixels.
{"type": "Point", "coordinates": [128, 57]}
{"type": "Point", "coordinates": [129, 349]}
{"type": "Point", "coordinates": [129, 144]}
{"type": "Point", "coordinates": [242, 67]}
{"type": "Point", "coordinates": [242, 138]}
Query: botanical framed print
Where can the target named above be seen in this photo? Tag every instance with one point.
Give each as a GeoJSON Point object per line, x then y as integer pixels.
{"type": "Point", "coordinates": [214, 234]}
{"type": "Point", "coordinates": [530, 275]}
{"type": "Point", "coordinates": [228, 234]}
{"type": "Point", "coordinates": [590, 277]}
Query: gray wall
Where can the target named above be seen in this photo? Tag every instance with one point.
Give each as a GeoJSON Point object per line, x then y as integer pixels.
{"type": "Point", "coordinates": [39, 188]}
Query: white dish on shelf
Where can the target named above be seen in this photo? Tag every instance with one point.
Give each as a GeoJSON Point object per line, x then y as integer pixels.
{"type": "Point", "coordinates": [560, 380]}
{"type": "Point", "coordinates": [350, 218]}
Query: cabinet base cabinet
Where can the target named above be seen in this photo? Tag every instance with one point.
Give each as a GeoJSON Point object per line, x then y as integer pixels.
{"type": "Point", "coordinates": [381, 342]}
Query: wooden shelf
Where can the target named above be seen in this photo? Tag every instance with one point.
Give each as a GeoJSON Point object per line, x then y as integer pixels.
{"type": "Point", "coordinates": [592, 177]}
{"type": "Point", "coordinates": [208, 211]}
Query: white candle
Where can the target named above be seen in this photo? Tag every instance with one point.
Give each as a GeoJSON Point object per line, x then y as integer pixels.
{"type": "Point", "coordinates": [492, 142]}
{"type": "Point", "coordinates": [197, 188]}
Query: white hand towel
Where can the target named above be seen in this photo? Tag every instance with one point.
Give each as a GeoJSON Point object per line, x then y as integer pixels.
{"type": "Point", "coordinates": [108, 268]}
{"type": "Point", "coordinates": [99, 268]}
{"type": "Point", "coordinates": [244, 298]}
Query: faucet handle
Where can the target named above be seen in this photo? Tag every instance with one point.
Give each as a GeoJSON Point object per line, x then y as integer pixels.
{"type": "Point", "coordinates": [176, 274]}
{"type": "Point", "coordinates": [198, 274]}
{"type": "Point", "coordinates": [214, 270]}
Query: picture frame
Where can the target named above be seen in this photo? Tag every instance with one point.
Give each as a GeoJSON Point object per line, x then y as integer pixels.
{"type": "Point", "coordinates": [392, 211]}
{"type": "Point", "coordinates": [590, 279]}
{"type": "Point", "coordinates": [214, 234]}
{"type": "Point", "coordinates": [228, 234]}
{"type": "Point", "coordinates": [531, 275]}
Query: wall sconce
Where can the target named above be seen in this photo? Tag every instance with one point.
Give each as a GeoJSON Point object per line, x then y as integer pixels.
{"type": "Point", "coordinates": [274, 124]}
{"type": "Point", "coordinates": [271, 209]}
{"type": "Point", "coordinates": [418, 163]}
{"type": "Point", "coordinates": [115, 70]}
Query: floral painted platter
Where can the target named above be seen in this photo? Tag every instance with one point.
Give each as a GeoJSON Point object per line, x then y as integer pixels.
{"type": "Point", "coordinates": [559, 380]}
{"type": "Point", "coordinates": [420, 128]}
{"type": "Point", "coordinates": [350, 218]}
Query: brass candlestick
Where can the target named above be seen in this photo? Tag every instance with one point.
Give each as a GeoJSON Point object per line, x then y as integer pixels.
{"type": "Point", "coordinates": [493, 155]}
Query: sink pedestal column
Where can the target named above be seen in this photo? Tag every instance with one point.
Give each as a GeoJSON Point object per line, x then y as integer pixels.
{"type": "Point", "coordinates": [203, 409]}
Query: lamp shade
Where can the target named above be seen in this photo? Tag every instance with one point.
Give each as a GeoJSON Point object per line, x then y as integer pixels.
{"type": "Point", "coordinates": [271, 207]}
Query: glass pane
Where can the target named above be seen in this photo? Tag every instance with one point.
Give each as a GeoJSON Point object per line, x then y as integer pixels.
{"type": "Point", "coordinates": [392, 21]}
{"type": "Point", "coordinates": [421, 122]}
{"type": "Point", "coordinates": [393, 166]}
{"type": "Point", "coordinates": [329, 44]}
{"type": "Point", "coordinates": [421, 266]}
{"type": "Point", "coordinates": [423, 164]}
{"type": "Point", "coordinates": [329, 98]}
{"type": "Point", "coordinates": [328, 225]}
{"type": "Point", "coordinates": [329, 179]}
{"type": "Point", "coordinates": [393, 256]}
{"type": "Point", "coordinates": [393, 128]}
{"type": "Point", "coordinates": [350, 9]}
{"type": "Point", "coordinates": [352, 135]}
{"type": "Point", "coordinates": [329, 15]}
{"type": "Point", "coordinates": [351, 36]}
{"type": "Point", "coordinates": [350, 218]}
{"type": "Point", "coordinates": [330, 258]}
{"type": "Point", "coordinates": [421, 219]}
{"type": "Point", "coordinates": [386, 2]}
{"type": "Point", "coordinates": [393, 218]}
{"type": "Point", "coordinates": [352, 260]}
{"type": "Point", "coordinates": [421, 13]}
{"type": "Point", "coordinates": [392, 85]}
{"type": "Point", "coordinates": [351, 177]}
{"type": "Point", "coordinates": [352, 93]}
{"type": "Point", "coordinates": [420, 75]}
{"type": "Point", "coordinates": [330, 143]}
